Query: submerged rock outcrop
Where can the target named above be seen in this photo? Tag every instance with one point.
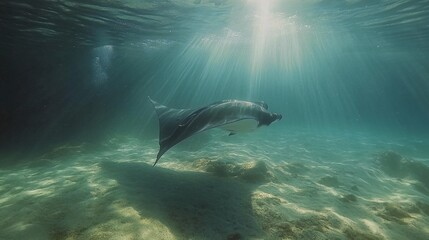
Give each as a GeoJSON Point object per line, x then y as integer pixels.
{"type": "Point", "coordinates": [395, 165]}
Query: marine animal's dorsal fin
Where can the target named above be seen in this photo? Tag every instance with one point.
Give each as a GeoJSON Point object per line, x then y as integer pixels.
{"type": "Point", "coordinates": [262, 104]}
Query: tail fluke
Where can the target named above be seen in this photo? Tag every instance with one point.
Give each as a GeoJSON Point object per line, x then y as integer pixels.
{"type": "Point", "coordinates": [169, 120]}
{"type": "Point", "coordinates": [156, 161]}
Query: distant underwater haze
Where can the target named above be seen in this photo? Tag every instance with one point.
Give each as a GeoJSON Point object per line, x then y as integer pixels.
{"type": "Point", "coordinates": [70, 67]}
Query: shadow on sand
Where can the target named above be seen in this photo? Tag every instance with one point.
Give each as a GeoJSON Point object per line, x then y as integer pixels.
{"type": "Point", "coordinates": [191, 204]}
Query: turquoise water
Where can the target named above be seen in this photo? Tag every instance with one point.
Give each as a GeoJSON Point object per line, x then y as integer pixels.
{"type": "Point", "coordinates": [78, 136]}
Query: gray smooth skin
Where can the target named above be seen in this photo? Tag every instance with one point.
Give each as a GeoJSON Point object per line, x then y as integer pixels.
{"type": "Point", "coordinates": [175, 125]}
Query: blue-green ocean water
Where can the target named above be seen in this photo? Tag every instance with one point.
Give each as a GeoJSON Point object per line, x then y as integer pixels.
{"type": "Point", "coordinates": [349, 159]}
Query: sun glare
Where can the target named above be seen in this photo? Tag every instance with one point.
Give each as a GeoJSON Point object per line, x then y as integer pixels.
{"type": "Point", "coordinates": [275, 41]}
{"type": "Point", "coordinates": [262, 5]}
{"type": "Point", "coordinates": [261, 46]}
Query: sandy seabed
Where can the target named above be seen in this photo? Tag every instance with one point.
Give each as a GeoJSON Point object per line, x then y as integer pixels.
{"type": "Point", "coordinates": [266, 185]}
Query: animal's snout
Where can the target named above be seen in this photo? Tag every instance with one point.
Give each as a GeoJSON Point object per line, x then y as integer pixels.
{"type": "Point", "coordinates": [276, 117]}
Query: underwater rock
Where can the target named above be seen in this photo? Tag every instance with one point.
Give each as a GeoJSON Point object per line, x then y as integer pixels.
{"type": "Point", "coordinates": [424, 207]}
{"type": "Point", "coordinates": [267, 201]}
{"type": "Point", "coordinates": [283, 230]}
{"type": "Point", "coordinates": [315, 222]}
{"type": "Point", "coordinates": [391, 163]}
{"type": "Point", "coordinates": [311, 234]}
{"type": "Point", "coordinates": [394, 212]}
{"type": "Point", "coordinates": [234, 236]}
{"type": "Point", "coordinates": [419, 170]}
{"type": "Point", "coordinates": [349, 198]}
{"type": "Point", "coordinates": [317, 227]}
{"type": "Point", "coordinates": [329, 181]}
{"type": "Point", "coordinates": [253, 172]}
{"type": "Point", "coordinates": [271, 215]}
{"type": "Point", "coordinates": [266, 208]}
{"type": "Point", "coordinates": [218, 168]}
{"type": "Point", "coordinates": [395, 165]}
{"type": "Point", "coordinates": [278, 227]}
{"type": "Point", "coordinates": [421, 188]}
{"type": "Point", "coordinates": [354, 234]}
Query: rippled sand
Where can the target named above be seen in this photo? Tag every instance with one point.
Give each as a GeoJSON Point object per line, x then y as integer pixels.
{"type": "Point", "coordinates": [269, 184]}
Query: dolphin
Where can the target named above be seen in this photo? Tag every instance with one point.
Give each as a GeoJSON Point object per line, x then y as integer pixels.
{"type": "Point", "coordinates": [234, 116]}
